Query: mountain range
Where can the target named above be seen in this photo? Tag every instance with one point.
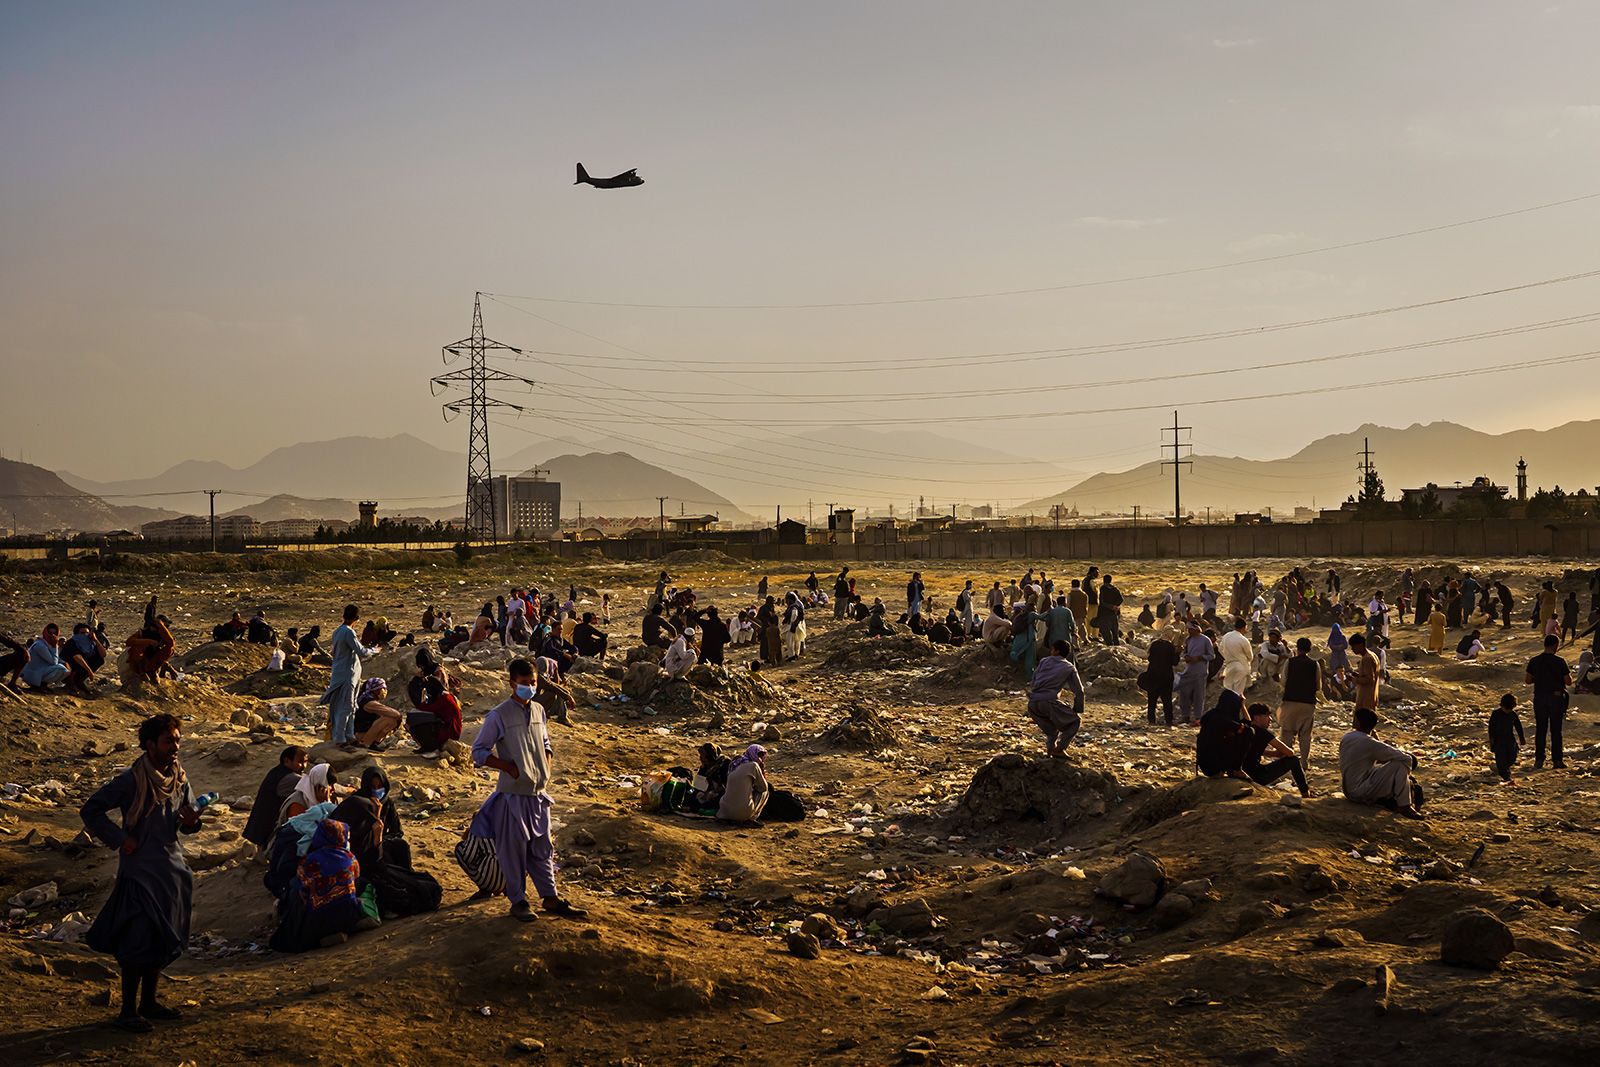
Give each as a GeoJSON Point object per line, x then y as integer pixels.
{"type": "Point", "coordinates": [1324, 472]}
{"type": "Point", "coordinates": [34, 500]}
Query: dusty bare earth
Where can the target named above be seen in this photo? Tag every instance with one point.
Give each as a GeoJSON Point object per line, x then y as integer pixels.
{"type": "Point", "coordinates": [961, 933]}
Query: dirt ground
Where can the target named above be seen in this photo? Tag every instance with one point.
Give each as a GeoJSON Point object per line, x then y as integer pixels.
{"type": "Point", "coordinates": [957, 932]}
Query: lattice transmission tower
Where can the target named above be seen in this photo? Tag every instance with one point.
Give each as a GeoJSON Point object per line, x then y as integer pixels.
{"type": "Point", "coordinates": [476, 376]}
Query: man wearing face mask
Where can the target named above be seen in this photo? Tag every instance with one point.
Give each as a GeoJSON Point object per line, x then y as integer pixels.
{"type": "Point", "coordinates": [514, 739]}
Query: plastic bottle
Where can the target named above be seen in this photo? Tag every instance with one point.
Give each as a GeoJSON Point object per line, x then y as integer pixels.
{"type": "Point", "coordinates": [205, 800]}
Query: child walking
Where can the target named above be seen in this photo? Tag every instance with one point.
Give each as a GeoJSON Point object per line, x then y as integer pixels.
{"type": "Point", "coordinates": [1505, 736]}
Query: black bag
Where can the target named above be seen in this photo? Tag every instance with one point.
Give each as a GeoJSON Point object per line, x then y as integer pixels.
{"type": "Point", "coordinates": [782, 806]}
{"type": "Point", "coordinates": [406, 892]}
{"type": "Point", "coordinates": [1143, 681]}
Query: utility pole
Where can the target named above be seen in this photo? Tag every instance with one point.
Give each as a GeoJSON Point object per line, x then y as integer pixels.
{"type": "Point", "coordinates": [212, 493]}
{"type": "Point", "coordinates": [1136, 514]}
{"type": "Point", "coordinates": [1365, 466]}
{"type": "Point", "coordinates": [661, 530]}
{"type": "Point", "coordinates": [480, 512]}
{"type": "Point", "coordinates": [1178, 462]}
{"type": "Point", "coordinates": [809, 515]}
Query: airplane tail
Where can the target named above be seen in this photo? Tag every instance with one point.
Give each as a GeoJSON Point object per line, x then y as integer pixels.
{"type": "Point", "coordinates": [583, 176]}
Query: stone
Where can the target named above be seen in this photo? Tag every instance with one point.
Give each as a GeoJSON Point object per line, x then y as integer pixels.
{"type": "Point", "coordinates": [1502, 838]}
{"type": "Point", "coordinates": [1338, 937]}
{"type": "Point", "coordinates": [1138, 882]}
{"type": "Point", "coordinates": [908, 917]}
{"type": "Point", "coordinates": [529, 1045]}
{"type": "Point", "coordinates": [861, 902]}
{"type": "Point", "coordinates": [770, 734]}
{"type": "Point", "coordinates": [804, 945]}
{"type": "Point", "coordinates": [1172, 910]}
{"type": "Point", "coordinates": [1474, 938]}
{"type": "Point", "coordinates": [1291, 800]}
{"type": "Point", "coordinates": [642, 679]}
{"type": "Point", "coordinates": [246, 718]}
{"type": "Point", "coordinates": [1032, 796]}
{"type": "Point", "coordinates": [823, 927]}
{"type": "Point", "coordinates": [1196, 889]}
{"type": "Point", "coordinates": [1257, 915]}
{"type": "Point", "coordinates": [1347, 985]}
{"type": "Point", "coordinates": [231, 752]}
{"type": "Point", "coordinates": [583, 838]}
{"type": "Point", "coordinates": [1441, 870]}
{"type": "Point", "coordinates": [43, 893]}
{"type": "Point", "coordinates": [1383, 985]}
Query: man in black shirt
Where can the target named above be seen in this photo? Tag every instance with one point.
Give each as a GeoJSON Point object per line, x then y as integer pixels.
{"type": "Point", "coordinates": [1261, 741]}
{"type": "Point", "coordinates": [1549, 675]}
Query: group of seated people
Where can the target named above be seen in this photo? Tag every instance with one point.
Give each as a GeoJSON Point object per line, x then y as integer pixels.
{"type": "Point", "coordinates": [736, 790]}
{"type": "Point", "coordinates": [75, 661]}
{"type": "Point", "coordinates": [335, 865]}
{"type": "Point", "coordinates": [433, 719]}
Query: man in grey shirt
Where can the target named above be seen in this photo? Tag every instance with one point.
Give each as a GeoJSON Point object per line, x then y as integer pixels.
{"type": "Point", "coordinates": [1198, 652]}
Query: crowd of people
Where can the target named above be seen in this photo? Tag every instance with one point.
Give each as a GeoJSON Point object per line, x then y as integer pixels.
{"type": "Point", "coordinates": [335, 855]}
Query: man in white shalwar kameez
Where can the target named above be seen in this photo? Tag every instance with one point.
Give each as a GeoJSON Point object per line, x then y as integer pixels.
{"type": "Point", "coordinates": [1373, 772]}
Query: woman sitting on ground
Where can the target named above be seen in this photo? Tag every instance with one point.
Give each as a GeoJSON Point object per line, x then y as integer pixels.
{"type": "Point", "coordinates": [316, 787]}
{"type": "Point", "coordinates": [374, 720]}
{"type": "Point", "coordinates": [436, 720]}
{"type": "Point", "coordinates": [381, 849]}
{"type": "Point", "coordinates": [746, 793]}
{"type": "Point", "coordinates": [711, 780]}
{"type": "Point", "coordinates": [1586, 676]}
{"type": "Point", "coordinates": [324, 907]}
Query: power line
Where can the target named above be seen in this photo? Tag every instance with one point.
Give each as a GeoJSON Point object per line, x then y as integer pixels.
{"type": "Point", "coordinates": [1027, 355]}
{"type": "Point", "coordinates": [1095, 283]}
{"type": "Point", "coordinates": [1178, 462]}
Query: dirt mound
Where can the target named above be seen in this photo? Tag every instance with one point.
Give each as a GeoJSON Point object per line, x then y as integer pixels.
{"type": "Point", "coordinates": [216, 659]}
{"type": "Point", "coordinates": [719, 695]}
{"type": "Point", "coordinates": [275, 685]}
{"type": "Point", "coordinates": [1052, 794]}
{"type": "Point", "coordinates": [979, 666]}
{"type": "Point", "coordinates": [858, 650]}
{"type": "Point", "coordinates": [862, 729]}
{"type": "Point", "coordinates": [1177, 799]}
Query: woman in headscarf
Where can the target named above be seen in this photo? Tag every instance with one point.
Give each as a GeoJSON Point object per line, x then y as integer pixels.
{"type": "Point", "coordinates": [1424, 602]}
{"type": "Point", "coordinates": [374, 720]}
{"type": "Point", "coordinates": [381, 850]}
{"type": "Point", "coordinates": [1470, 646]}
{"type": "Point", "coordinates": [746, 793]}
{"type": "Point", "coordinates": [324, 905]}
{"type": "Point", "coordinates": [314, 788]}
{"type": "Point", "coordinates": [794, 627]}
{"type": "Point", "coordinates": [289, 842]}
{"type": "Point", "coordinates": [435, 720]}
{"type": "Point", "coordinates": [767, 623]}
{"type": "Point", "coordinates": [1338, 650]}
{"type": "Point", "coordinates": [145, 923]}
{"type": "Point", "coordinates": [1586, 677]}
{"type": "Point", "coordinates": [1024, 646]}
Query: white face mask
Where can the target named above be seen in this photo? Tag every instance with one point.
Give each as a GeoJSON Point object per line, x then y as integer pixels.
{"type": "Point", "coordinates": [523, 692]}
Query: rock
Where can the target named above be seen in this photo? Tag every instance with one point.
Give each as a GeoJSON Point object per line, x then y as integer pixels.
{"type": "Point", "coordinates": [231, 752]}
{"type": "Point", "coordinates": [910, 917]}
{"type": "Point", "coordinates": [1338, 937]}
{"type": "Point", "coordinates": [1291, 800]}
{"type": "Point", "coordinates": [1475, 938]}
{"type": "Point", "coordinates": [1501, 838]}
{"type": "Point", "coordinates": [864, 729]}
{"type": "Point", "coordinates": [1196, 889]}
{"type": "Point", "coordinates": [1345, 986]}
{"type": "Point", "coordinates": [1172, 910]}
{"type": "Point", "coordinates": [334, 756]}
{"type": "Point", "coordinates": [1035, 796]}
{"type": "Point", "coordinates": [641, 680]}
{"type": "Point", "coordinates": [615, 671]}
{"type": "Point", "coordinates": [1441, 870]}
{"type": "Point", "coordinates": [96, 748]}
{"type": "Point", "coordinates": [1137, 882]}
{"type": "Point", "coordinates": [529, 1045]}
{"type": "Point", "coordinates": [706, 676]}
{"type": "Point", "coordinates": [1383, 984]}
{"type": "Point", "coordinates": [583, 838]}
{"type": "Point", "coordinates": [823, 927]}
{"type": "Point", "coordinates": [770, 734]}
{"type": "Point", "coordinates": [804, 945]}
{"type": "Point", "coordinates": [43, 893]}
{"type": "Point", "coordinates": [1257, 915]}
{"type": "Point", "coordinates": [861, 902]}
{"type": "Point", "coordinates": [246, 718]}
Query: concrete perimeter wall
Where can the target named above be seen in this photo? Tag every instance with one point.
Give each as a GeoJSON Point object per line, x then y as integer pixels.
{"type": "Point", "coordinates": [1472, 538]}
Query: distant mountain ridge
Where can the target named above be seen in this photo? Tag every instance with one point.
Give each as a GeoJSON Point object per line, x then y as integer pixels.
{"type": "Point", "coordinates": [37, 501]}
{"type": "Point", "coordinates": [1324, 471]}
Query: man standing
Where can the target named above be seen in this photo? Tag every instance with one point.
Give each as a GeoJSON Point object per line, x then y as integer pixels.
{"type": "Point", "coordinates": [964, 609]}
{"type": "Point", "coordinates": [1158, 674]}
{"type": "Point", "coordinates": [514, 740]}
{"type": "Point", "coordinates": [145, 923]}
{"type": "Point", "coordinates": [914, 594]}
{"type": "Point", "coordinates": [1110, 612]}
{"type": "Point", "coordinates": [1238, 656]}
{"type": "Point", "coordinates": [1058, 721]}
{"type": "Point", "coordinates": [1078, 601]}
{"type": "Point", "coordinates": [1302, 681]}
{"type": "Point", "coordinates": [345, 680]}
{"type": "Point", "coordinates": [997, 598]}
{"type": "Point", "coordinates": [1060, 625]}
{"type": "Point", "coordinates": [1469, 596]}
{"type": "Point", "coordinates": [1198, 652]}
{"type": "Point", "coordinates": [1372, 772]}
{"type": "Point", "coordinates": [841, 592]}
{"type": "Point", "coordinates": [1503, 594]}
{"type": "Point", "coordinates": [1549, 675]}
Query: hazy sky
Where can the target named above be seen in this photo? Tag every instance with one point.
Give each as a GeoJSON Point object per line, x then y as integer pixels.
{"type": "Point", "coordinates": [227, 227]}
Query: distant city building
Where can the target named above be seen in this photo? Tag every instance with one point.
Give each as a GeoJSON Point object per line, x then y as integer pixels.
{"type": "Point", "coordinates": [692, 524]}
{"type": "Point", "coordinates": [526, 502]}
{"type": "Point", "coordinates": [1450, 495]}
{"type": "Point", "coordinates": [369, 514]}
{"type": "Point", "coordinates": [289, 529]}
{"type": "Point", "coordinates": [198, 528]}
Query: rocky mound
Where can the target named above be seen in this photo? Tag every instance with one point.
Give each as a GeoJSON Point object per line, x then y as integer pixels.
{"type": "Point", "coordinates": [1047, 794]}
{"type": "Point", "coordinates": [1111, 670]}
{"type": "Point", "coordinates": [979, 666]}
{"type": "Point", "coordinates": [862, 729]}
{"type": "Point", "coordinates": [719, 694]}
{"type": "Point", "coordinates": [857, 650]}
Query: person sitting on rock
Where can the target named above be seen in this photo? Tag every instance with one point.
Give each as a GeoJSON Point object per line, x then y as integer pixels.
{"type": "Point", "coordinates": [1373, 772]}
{"type": "Point", "coordinates": [1059, 722]}
{"type": "Point", "coordinates": [746, 794]}
{"type": "Point", "coordinates": [436, 720]}
{"type": "Point", "coordinates": [680, 655]}
{"type": "Point", "coordinates": [588, 639]}
{"type": "Point", "coordinates": [375, 720]}
{"type": "Point", "coordinates": [258, 631]}
{"type": "Point", "coordinates": [1261, 741]}
{"type": "Point", "coordinates": [657, 632]}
